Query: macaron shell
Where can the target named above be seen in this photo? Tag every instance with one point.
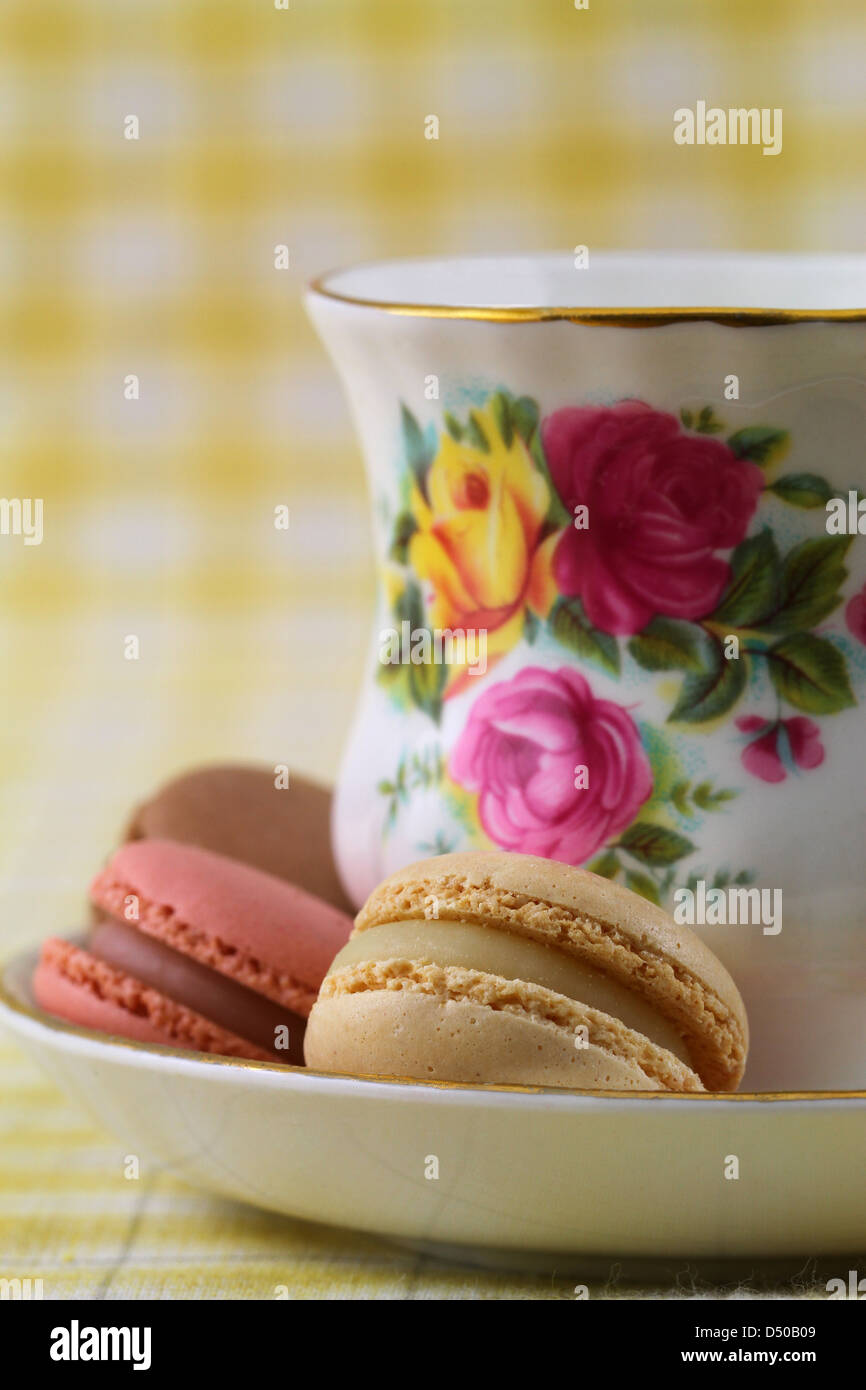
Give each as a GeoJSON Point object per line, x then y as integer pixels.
{"type": "Point", "coordinates": [608, 926]}
{"type": "Point", "coordinates": [430, 1038]}
{"type": "Point", "coordinates": [72, 984]}
{"type": "Point", "coordinates": [237, 810]}
{"type": "Point", "coordinates": [264, 933]}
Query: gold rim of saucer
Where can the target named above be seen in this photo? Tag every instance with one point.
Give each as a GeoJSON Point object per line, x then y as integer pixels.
{"type": "Point", "coordinates": [654, 317]}
{"type": "Point", "coordinates": [15, 1005]}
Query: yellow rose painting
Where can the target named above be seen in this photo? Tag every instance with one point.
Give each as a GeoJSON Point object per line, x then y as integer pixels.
{"type": "Point", "coordinates": [479, 545]}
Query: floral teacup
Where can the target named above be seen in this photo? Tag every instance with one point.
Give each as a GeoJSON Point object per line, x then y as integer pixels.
{"type": "Point", "coordinates": [622, 610]}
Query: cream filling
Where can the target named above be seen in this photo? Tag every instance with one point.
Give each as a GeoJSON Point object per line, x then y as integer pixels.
{"type": "Point", "coordinates": [514, 958]}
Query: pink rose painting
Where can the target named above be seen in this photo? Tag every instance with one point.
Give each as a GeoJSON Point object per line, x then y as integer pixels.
{"type": "Point", "coordinates": [520, 748]}
{"type": "Point", "coordinates": [661, 503]}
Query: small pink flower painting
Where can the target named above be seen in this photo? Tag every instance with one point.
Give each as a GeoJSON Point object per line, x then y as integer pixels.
{"type": "Point", "coordinates": [763, 756]}
{"type": "Point", "coordinates": [855, 615]}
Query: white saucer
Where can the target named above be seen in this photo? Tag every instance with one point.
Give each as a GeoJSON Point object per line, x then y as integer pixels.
{"type": "Point", "coordinates": [519, 1170]}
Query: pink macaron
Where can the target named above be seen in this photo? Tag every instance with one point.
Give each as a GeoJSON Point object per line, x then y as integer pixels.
{"type": "Point", "coordinates": [194, 950]}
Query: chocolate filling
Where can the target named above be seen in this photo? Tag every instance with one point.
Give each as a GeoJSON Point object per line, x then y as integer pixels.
{"type": "Point", "coordinates": [238, 1010]}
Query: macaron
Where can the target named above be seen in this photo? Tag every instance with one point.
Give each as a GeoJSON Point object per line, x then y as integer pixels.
{"type": "Point", "coordinates": [506, 968]}
{"type": "Point", "coordinates": [245, 812]}
{"type": "Point", "coordinates": [191, 949]}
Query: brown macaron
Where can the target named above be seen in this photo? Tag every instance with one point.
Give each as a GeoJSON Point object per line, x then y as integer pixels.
{"type": "Point", "coordinates": [237, 810]}
{"type": "Point", "coordinates": [493, 967]}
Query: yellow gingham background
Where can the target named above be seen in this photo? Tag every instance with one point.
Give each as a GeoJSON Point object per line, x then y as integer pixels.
{"type": "Point", "coordinates": [156, 257]}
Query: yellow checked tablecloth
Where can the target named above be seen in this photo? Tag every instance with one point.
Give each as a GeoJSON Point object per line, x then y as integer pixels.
{"type": "Point", "coordinates": [153, 258]}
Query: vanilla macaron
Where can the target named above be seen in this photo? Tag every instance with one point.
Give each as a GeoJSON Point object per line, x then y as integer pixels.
{"type": "Point", "coordinates": [492, 967]}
